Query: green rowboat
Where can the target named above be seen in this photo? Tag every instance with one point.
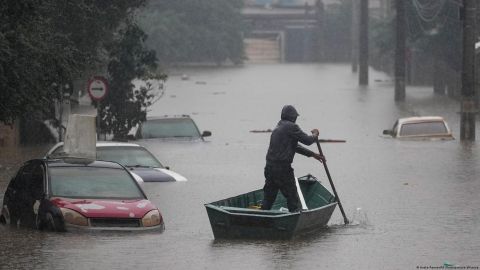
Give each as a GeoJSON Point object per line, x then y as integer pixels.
{"type": "Point", "coordinates": [241, 217]}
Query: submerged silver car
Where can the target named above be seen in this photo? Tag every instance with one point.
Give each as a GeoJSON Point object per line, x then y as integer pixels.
{"type": "Point", "coordinates": [421, 127]}
{"type": "Point", "coordinates": [170, 127]}
{"type": "Point", "coordinates": [142, 164]}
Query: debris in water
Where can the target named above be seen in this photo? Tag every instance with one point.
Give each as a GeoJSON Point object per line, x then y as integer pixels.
{"type": "Point", "coordinates": [261, 131]}
{"type": "Point", "coordinates": [200, 82]}
{"type": "Point", "coordinates": [185, 77]}
{"type": "Point", "coordinates": [448, 264]}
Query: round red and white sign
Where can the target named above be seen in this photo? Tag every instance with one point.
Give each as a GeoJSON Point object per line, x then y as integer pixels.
{"type": "Point", "coordinates": [97, 88]}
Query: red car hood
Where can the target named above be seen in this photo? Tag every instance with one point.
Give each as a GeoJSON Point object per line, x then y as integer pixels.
{"type": "Point", "coordinates": [102, 208]}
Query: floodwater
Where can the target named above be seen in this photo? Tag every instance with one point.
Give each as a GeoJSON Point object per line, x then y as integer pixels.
{"type": "Point", "coordinates": [413, 203]}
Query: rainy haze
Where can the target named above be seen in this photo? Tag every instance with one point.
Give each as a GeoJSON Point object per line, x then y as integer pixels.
{"type": "Point", "coordinates": [179, 98]}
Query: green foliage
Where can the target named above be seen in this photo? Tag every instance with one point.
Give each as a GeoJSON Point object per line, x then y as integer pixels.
{"type": "Point", "coordinates": [30, 59]}
{"type": "Point", "coordinates": [50, 42]}
{"type": "Point", "coordinates": [195, 30]}
{"type": "Point", "coordinates": [126, 106]}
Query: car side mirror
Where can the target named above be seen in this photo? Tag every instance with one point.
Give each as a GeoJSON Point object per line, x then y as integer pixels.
{"type": "Point", "coordinates": [206, 133]}
{"type": "Point", "coordinates": [167, 167]}
{"type": "Point", "coordinates": [387, 132]}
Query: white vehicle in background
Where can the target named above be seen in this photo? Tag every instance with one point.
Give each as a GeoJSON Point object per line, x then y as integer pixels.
{"type": "Point", "coordinates": [177, 127]}
{"type": "Point", "coordinates": [421, 127]}
{"type": "Point", "coordinates": [141, 163]}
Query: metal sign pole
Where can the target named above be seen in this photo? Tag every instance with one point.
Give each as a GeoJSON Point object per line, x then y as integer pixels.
{"type": "Point", "coordinates": [60, 118]}
{"type": "Point", "coordinates": [98, 120]}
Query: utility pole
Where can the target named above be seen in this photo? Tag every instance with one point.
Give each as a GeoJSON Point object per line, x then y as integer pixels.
{"type": "Point", "coordinates": [400, 51]}
{"type": "Point", "coordinates": [363, 48]}
{"type": "Point", "coordinates": [354, 36]}
{"type": "Point", "coordinates": [468, 104]}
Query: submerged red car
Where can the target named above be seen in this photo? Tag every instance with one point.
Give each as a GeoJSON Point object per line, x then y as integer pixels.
{"type": "Point", "coordinates": [70, 193]}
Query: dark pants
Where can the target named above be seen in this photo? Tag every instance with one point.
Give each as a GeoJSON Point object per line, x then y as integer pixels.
{"type": "Point", "coordinates": [280, 177]}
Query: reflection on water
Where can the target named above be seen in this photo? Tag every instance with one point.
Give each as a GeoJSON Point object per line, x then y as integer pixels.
{"type": "Point", "coordinates": [419, 199]}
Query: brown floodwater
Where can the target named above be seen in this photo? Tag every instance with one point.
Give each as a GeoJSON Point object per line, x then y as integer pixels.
{"type": "Point", "coordinates": [412, 203]}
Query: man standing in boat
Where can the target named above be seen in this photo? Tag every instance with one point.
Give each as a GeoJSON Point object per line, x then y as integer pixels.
{"type": "Point", "coordinates": [283, 146]}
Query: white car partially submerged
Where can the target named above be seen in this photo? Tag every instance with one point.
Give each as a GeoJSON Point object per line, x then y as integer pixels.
{"type": "Point", "coordinates": [141, 163]}
{"type": "Point", "coordinates": [176, 127]}
{"type": "Point", "coordinates": [420, 127]}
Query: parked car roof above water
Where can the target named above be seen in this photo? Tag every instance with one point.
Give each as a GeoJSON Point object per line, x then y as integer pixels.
{"type": "Point", "coordinates": [420, 127]}
{"type": "Point", "coordinates": [143, 165]}
{"type": "Point", "coordinates": [170, 127]}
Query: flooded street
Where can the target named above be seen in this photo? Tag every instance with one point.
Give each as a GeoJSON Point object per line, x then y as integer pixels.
{"type": "Point", "coordinates": [413, 203]}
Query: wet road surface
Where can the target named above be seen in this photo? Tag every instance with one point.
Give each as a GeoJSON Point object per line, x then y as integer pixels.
{"type": "Point", "coordinates": [413, 203]}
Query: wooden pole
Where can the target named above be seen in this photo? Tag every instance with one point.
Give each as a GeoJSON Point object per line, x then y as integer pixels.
{"type": "Point", "coordinates": [345, 219]}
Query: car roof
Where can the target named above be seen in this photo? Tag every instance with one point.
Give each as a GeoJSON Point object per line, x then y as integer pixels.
{"type": "Point", "coordinates": [108, 144]}
{"type": "Point", "coordinates": [74, 162]}
{"type": "Point", "coordinates": [183, 116]}
{"type": "Point", "coordinates": [417, 119]}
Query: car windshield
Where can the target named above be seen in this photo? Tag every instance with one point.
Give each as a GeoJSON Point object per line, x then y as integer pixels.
{"type": "Point", "coordinates": [173, 127]}
{"type": "Point", "coordinates": [128, 156]}
{"type": "Point", "coordinates": [93, 182]}
{"type": "Point", "coordinates": [423, 128]}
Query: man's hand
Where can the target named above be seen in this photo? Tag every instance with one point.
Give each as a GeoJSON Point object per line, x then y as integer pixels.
{"type": "Point", "coordinates": [319, 158]}
{"type": "Point", "coordinates": [315, 132]}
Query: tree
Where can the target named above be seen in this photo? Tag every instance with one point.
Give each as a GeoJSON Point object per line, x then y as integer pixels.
{"type": "Point", "coordinates": [48, 42]}
{"type": "Point", "coordinates": [126, 106]}
{"type": "Point", "coordinates": [194, 31]}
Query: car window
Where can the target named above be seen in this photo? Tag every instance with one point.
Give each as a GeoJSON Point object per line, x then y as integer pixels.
{"type": "Point", "coordinates": [36, 182]}
{"type": "Point", "coordinates": [16, 189]}
{"type": "Point", "coordinates": [128, 156]}
{"type": "Point", "coordinates": [165, 128]}
{"type": "Point", "coordinates": [25, 176]}
{"type": "Point", "coordinates": [423, 128]}
{"type": "Point", "coordinates": [57, 151]}
{"type": "Point", "coordinates": [93, 182]}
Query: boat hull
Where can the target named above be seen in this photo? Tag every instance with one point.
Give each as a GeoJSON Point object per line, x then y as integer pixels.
{"type": "Point", "coordinates": [239, 217]}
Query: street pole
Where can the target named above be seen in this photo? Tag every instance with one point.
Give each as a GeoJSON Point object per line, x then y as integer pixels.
{"type": "Point", "coordinates": [60, 118]}
{"type": "Point", "coordinates": [354, 36]}
{"type": "Point", "coordinates": [400, 51]}
{"type": "Point", "coordinates": [363, 48]}
{"type": "Point", "coordinates": [320, 13]}
{"type": "Point", "coordinates": [468, 104]}
{"type": "Point", "coordinates": [99, 121]}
